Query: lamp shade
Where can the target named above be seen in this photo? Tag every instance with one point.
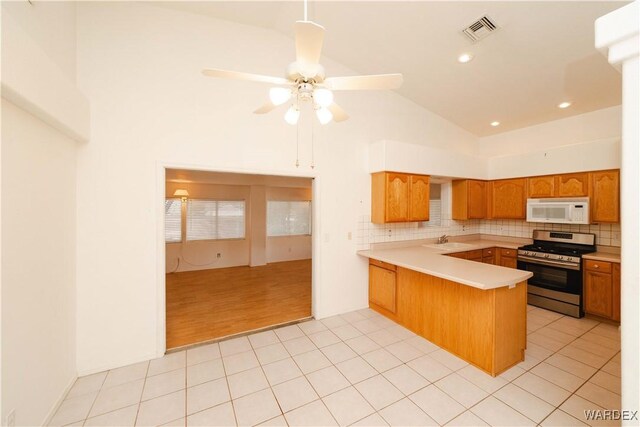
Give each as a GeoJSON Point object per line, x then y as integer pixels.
{"type": "Point", "coordinates": [181, 193]}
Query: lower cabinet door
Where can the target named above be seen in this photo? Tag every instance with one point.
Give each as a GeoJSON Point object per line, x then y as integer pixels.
{"type": "Point", "coordinates": [382, 288]}
{"type": "Point", "coordinates": [598, 294]}
{"type": "Point", "coordinates": [509, 262]}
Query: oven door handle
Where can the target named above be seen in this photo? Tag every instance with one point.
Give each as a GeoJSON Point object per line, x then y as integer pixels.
{"type": "Point", "coordinates": [567, 265]}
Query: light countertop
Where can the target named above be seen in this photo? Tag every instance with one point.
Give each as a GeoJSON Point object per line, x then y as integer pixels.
{"type": "Point", "coordinates": [433, 262]}
{"type": "Point", "coordinates": [603, 256]}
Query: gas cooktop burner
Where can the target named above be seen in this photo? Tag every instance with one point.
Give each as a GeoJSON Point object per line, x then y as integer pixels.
{"type": "Point", "coordinates": [555, 250]}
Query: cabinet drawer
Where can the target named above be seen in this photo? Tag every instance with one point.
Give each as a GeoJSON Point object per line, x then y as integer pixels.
{"type": "Point", "coordinates": [488, 252]}
{"type": "Point", "coordinates": [461, 255]}
{"type": "Point", "coordinates": [509, 253]}
{"type": "Point", "coordinates": [476, 254]}
{"type": "Point", "coordinates": [601, 266]}
{"type": "Point", "coordinates": [382, 264]}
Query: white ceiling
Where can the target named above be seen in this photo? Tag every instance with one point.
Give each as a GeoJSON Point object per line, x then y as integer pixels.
{"type": "Point", "coordinates": [542, 54]}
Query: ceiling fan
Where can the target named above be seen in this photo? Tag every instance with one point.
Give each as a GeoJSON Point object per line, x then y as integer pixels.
{"type": "Point", "coordinates": [305, 79]}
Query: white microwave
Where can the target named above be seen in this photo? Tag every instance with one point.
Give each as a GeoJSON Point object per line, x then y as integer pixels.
{"type": "Point", "coordinates": [559, 211]}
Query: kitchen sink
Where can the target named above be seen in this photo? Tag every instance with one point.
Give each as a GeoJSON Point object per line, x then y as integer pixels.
{"type": "Point", "coordinates": [449, 245]}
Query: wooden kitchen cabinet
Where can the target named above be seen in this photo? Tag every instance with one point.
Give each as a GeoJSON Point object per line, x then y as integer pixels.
{"type": "Point", "coordinates": [382, 285]}
{"type": "Point", "coordinates": [573, 185]}
{"type": "Point", "coordinates": [489, 256]}
{"type": "Point", "coordinates": [475, 255]}
{"type": "Point", "coordinates": [541, 186]}
{"type": "Point", "coordinates": [605, 196]}
{"type": "Point", "coordinates": [469, 199]}
{"type": "Point", "coordinates": [602, 289]}
{"type": "Point", "coordinates": [507, 258]}
{"type": "Point", "coordinates": [399, 197]}
{"type": "Point", "coordinates": [507, 199]}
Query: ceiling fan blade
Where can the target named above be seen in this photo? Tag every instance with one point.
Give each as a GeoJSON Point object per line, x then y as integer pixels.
{"type": "Point", "coordinates": [372, 82]}
{"type": "Point", "coordinates": [309, 38]}
{"type": "Point", "coordinates": [226, 74]}
{"type": "Point", "coordinates": [339, 114]}
{"type": "Point", "coordinates": [266, 108]}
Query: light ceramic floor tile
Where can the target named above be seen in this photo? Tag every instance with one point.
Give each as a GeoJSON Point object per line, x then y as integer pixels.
{"type": "Point", "coordinates": [221, 415]}
{"type": "Point", "coordinates": [367, 326]}
{"type": "Point", "coordinates": [327, 381]}
{"type": "Point", "coordinates": [311, 414]}
{"type": "Point", "coordinates": [166, 383]}
{"type": "Point", "coordinates": [379, 392]}
{"type": "Point", "coordinates": [338, 352]}
{"type": "Point", "coordinates": [362, 344]}
{"type": "Point", "coordinates": [263, 339]}
{"type": "Point", "coordinates": [346, 331]}
{"type": "Point", "coordinates": [399, 331]}
{"type": "Point", "coordinates": [595, 348]}
{"type": "Point", "coordinates": [467, 419]}
{"type": "Point", "coordinates": [299, 345]}
{"type": "Point", "coordinates": [560, 418]}
{"type": "Point", "coordinates": [87, 384]}
{"type": "Point", "coordinates": [271, 353]}
{"type": "Point", "coordinates": [247, 382]}
{"type": "Point", "coordinates": [512, 373]}
{"type": "Point", "coordinates": [126, 374]}
{"type": "Point", "coordinates": [600, 396]}
{"type": "Point", "coordinates": [482, 379]}
{"type": "Point", "coordinates": [334, 322]}
{"type": "Point", "coordinates": [524, 402]}
{"type": "Point", "coordinates": [584, 356]}
{"type": "Point", "coordinates": [312, 326]}
{"type": "Point", "coordinates": [528, 362]}
{"type": "Point", "coordinates": [537, 351]}
{"type": "Point", "coordinates": [381, 360]}
{"type": "Point", "coordinates": [278, 421]}
{"type": "Point", "coordinates": [74, 409]}
{"type": "Point", "coordinates": [161, 409]}
{"type": "Point", "coordinates": [385, 322]}
{"type": "Point", "coordinates": [607, 381]}
{"type": "Point", "coordinates": [437, 404]}
{"type": "Point", "coordinates": [572, 366]}
{"type": "Point", "coordinates": [429, 368]}
{"type": "Point", "coordinates": [352, 317]}
{"type": "Point", "coordinates": [544, 341]}
{"type": "Point", "coordinates": [168, 362]}
{"type": "Point", "coordinates": [383, 337]}
{"type": "Point", "coordinates": [356, 370]}
{"type": "Point", "coordinates": [558, 376]}
{"type": "Point", "coordinates": [240, 362]}
{"type": "Point", "coordinates": [406, 379]}
{"type": "Point", "coordinates": [324, 338]}
{"type": "Point", "coordinates": [422, 344]}
{"type": "Point", "coordinates": [256, 408]}
{"type": "Point", "coordinates": [576, 406]}
{"type": "Point", "coordinates": [449, 360]}
{"type": "Point", "coordinates": [281, 371]}
{"type": "Point", "coordinates": [294, 393]}
{"type": "Point", "coordinates": [203, 372]}
{"type": "Point", "coordinates": [347, 406]}
{"type": "Point", "coordinates": [235, 346]}
{"type": "Point", "coordinates": [124, 417]}
{"type": "Point", "coordinates": [607, 331]}
{"type": "Point", "coordinates": [497, 413]}
{"type": "Point", "coordinates": [368, 313]}
{"type": "Point", "coordinates": [542, 388]}
{"type": "Point", "coordinates": [117, 397]}
{"type": "Point", "coordinates": [404, 351]}
{"type": "Point", "coordinates": [462, 390]}
{"type": "Point", "coordinates": [557, 335]}
{"type": "Point", "coordinates": [206, 395]}
{"type": "Point", "coordinates": [612, 367]}
{"type": "Point", "coordinates": [289, 332]}
{"type": "Point", "coordinates": [203, 353]}
{"type": "Point", "coordinates": [406, 413]}
{"type": "Point", "coordinates": [373, 420]}
{"type": "Point", "coordinates": [600, 340]}
{"type": "Point", "coordinates": [180, 422]}
{"type": "Point", "coordinates": [311, 361]}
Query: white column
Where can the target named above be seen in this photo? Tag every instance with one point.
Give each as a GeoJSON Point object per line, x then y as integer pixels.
{"type": "Point", "coordinates": [617, 35]}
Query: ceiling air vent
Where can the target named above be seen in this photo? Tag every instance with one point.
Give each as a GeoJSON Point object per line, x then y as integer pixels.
{"type": "Point", "coordinates": [480, 29]}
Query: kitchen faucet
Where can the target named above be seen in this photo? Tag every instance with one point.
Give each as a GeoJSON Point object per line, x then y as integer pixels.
{"type": "Point", "coordinates": [443, 239]}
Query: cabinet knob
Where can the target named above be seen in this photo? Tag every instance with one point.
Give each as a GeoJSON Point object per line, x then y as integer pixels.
{"type": "Point", "coordinates": [596, 266]}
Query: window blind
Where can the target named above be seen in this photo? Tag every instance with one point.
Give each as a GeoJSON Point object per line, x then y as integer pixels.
{"type": "Point", "coordinates": [288, 218]}
{"type": "Point", "coordinates": [215, 219]}
{"type": "Point", "coordinates": [435, 213]}
{"type": "Point", "coordinates": [172, 220]}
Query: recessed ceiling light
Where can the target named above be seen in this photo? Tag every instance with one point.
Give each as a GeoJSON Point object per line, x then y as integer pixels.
{"type": "Point", "coordinates": [564, 104]}
{"type": "Point", "coordinates": [464, 58]}
{"type": "Point", "coordinates": [494, 124]}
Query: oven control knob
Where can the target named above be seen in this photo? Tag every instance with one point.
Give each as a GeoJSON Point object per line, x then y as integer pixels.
{"type": "Point", "coordinates": [561, 258]}
{"type": "Point", "coordinates": [546, 255]}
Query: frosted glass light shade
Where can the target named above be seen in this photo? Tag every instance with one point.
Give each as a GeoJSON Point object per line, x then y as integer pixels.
{"type": "Point", "coordinates": [324, 115]}
{"type": "Point", "coordinates": [279, 95]}
{"type": "Point", "coordinates": [292, 115]}
{"type": "Point", "coordinates": [181, 193]}
{"type": "Point", "coordinates": [323, 97]}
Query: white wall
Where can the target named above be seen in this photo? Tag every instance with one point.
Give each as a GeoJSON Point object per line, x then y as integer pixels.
{"type": "Point", "coordinates": [38, 265]}
{"type": "Point", "coordinates": [140, 67]}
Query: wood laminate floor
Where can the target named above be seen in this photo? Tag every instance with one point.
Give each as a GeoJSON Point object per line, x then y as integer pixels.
{"type": "Point", "coordinates": [208, 304]}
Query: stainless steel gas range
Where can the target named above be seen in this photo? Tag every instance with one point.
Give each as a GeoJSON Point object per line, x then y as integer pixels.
{"type": "Point", "coordinates": [555, 259]}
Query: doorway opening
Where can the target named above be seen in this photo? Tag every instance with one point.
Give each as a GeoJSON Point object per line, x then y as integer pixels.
{"type": "Point", "coordinates": [238, 251]}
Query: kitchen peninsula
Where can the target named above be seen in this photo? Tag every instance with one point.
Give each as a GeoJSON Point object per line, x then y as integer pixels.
{"type": "Point", "coordinates": [472, 309]}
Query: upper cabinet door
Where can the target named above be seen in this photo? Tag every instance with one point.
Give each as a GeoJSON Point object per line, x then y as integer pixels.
{"type": "Point", "coordinates": [508, 198]}
{"type": "Point", "coordinates": [477, 198]}
{"type": "Point", "coordinates": [573, 185]}
{"type": "Point", "coordinates": [605, 196]}
{"type": "Point", "coordinates": [397, 197]}
{"type": "Point", "coordinates": [541, 186]}
{"type": "Point", "coordinates": [419, 198]}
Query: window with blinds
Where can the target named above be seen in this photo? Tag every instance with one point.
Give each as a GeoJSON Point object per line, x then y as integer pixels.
{"type": "Point", "coordinates": [288, 218]}
{"type": "Point", "coordinates": [435, 213]}
{"type": "Point", "coordinates": [172, 220]}
{"type": "Point", "coordinates": [215, 219]}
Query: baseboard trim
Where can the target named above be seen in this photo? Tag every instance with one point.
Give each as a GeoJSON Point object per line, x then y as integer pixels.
{"type": "Point", "coordinates": [56, 405]}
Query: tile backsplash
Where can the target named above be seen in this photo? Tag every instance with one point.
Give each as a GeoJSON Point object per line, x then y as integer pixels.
{"type": "Point", "coordinates": [368, 233]}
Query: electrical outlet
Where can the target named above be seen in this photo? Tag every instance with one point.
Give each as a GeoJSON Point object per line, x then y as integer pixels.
{"type": "Point", "coordinates": [11, 418]}
{"type": "Point", "coordinates": [218, 255]}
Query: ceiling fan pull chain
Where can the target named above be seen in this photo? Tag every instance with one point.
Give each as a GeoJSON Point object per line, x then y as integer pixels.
{"type": "Point", "coordinates": [313, 165]}
{"type": "Point", "coordinates": [298, 144]}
